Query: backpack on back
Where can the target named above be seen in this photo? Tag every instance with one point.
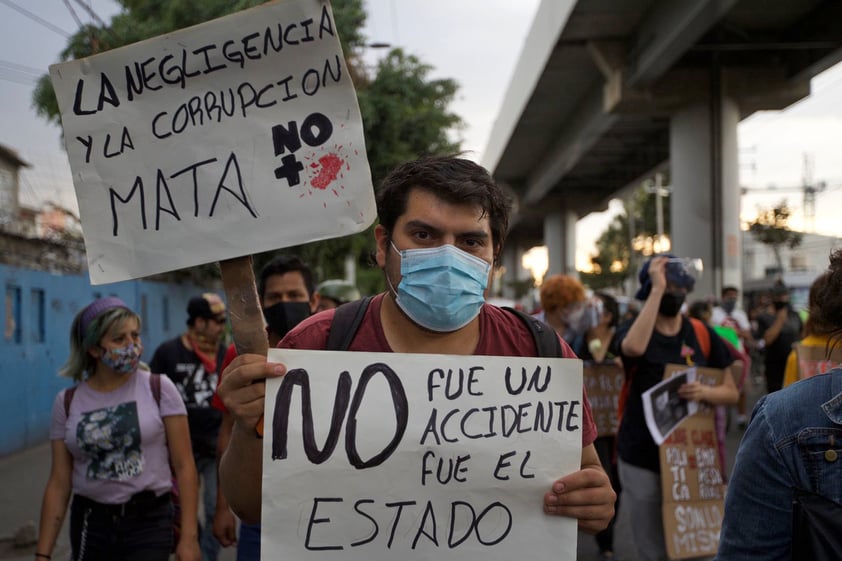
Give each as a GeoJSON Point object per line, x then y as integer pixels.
{"type": "Point", "coordinates": [348, 317]}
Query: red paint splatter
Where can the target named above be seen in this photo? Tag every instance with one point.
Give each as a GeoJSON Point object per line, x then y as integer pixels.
{"type": "Point", "coordinates": [331, 165]}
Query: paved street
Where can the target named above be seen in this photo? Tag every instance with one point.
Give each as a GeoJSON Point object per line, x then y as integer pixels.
{"type": "Point", "coordinates": [23, 475]}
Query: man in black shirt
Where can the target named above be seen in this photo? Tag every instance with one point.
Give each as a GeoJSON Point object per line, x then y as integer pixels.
{"type": "Point", "coordinates": [778, 327]}
{"type": "Point", "coordinates": [192, 361]}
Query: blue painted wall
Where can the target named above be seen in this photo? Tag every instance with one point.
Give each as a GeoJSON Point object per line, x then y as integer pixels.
{"type": "Point", "coordinates": [36, 310]}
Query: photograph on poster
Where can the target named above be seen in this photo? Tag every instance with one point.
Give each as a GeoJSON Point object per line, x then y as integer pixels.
{"type": "Point", "coordinates": [664, 408]}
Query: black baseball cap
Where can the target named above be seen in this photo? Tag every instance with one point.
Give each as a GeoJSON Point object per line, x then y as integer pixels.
{"type": "Point", "coordinates": [206, 306]}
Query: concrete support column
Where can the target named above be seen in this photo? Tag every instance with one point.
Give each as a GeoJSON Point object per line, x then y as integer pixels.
{"type": "Point", "coordinates": [560, 239]}
{"type": "Point", "coordinates": [705, 199]}
{"type": "Point", "coordinates": [510, 261]}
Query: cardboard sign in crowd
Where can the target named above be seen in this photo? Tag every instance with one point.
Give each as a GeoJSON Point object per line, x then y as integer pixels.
{"type": "Point", "coordinates": [384, 456]}
{"type": "Point", "coordinates": [693, 486]}
{"type": "Point", "coordinates": [233, 137]}
{"type": "Point", "coordinates": [604, 382]}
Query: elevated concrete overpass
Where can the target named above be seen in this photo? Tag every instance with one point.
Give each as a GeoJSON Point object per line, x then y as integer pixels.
{"type": "Point", "coordinates": [606, 92]}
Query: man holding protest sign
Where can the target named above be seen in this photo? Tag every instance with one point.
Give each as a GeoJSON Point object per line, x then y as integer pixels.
{"type": "Point", "coordinates": [287, 293]}
{"type": "Point", "coordinates": [442, 225]}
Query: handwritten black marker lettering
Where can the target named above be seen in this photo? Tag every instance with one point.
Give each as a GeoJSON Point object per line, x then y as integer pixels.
{"type": "Point", "coordinates": [400, 405]}
{"type": "Point", "coordinates": [447, 470]}
{"type": "Point", "coordinates": [313, 521]}
{"type": "Point", "coordinates": [88, 144]}
{"type": "Point", "coordinates": [171, 210]}
{"type": "Point", "coordinates": [399, 505]}
{"type": "Point", "coordinates": [429, 515]}
{"type": "Point", "coordinates": [193, 168]}
{"type": "Point", "coordinates": [125, 143]}
{"type": "Point", "coordinates": [376, 528]}
{"type": "Point", "coordinates": [280, 422]}
{"type": "Point", "coordinates": [114, 197]}
{"type": "Point", "coordinates": [107, 94]}
{"type": "Point", "coordinates": [232, 164]}
{"type": "Point", "coordinates": [455, 383]}
{"type": "Point", "coordinates": [528, 383]}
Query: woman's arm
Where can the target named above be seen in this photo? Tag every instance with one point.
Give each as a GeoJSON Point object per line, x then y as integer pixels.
{"type": "Point", "coordinates": [637, 339]}
{"type": "Point", "coordinates": [56, 497]}
{"type": "Point", "coordinates": [184, 468]}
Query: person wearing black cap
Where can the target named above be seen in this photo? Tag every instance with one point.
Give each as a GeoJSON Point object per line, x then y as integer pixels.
{"type": "Point", "coordinates": [192, 362]}
{"type": "Point", "coordinates": [779, 327]}
{"type": "Point", "coordinates": [658, 336]}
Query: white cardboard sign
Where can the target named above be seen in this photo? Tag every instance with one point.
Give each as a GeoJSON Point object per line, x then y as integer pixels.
{"type": "Point", "coordinates": [371, 456]}
{"type": "Point", "coordinates": [236, 136]}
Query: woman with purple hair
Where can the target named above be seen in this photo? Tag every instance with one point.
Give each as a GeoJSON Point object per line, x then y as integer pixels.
{"type": "Point", "coordinates": [117, 438]}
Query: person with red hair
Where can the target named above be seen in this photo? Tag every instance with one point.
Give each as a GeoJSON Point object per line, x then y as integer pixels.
{"type": "Point", "coordinates": [563, 304]}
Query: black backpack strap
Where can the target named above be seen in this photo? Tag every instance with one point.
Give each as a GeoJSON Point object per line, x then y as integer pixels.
{"type": "Point", "coordinates": [346, 321]}
{"type": "Point", "coordinates": [546, 339]}
{"type": "Point", "coordinates": [68, 399]}
{"type": "Point", "coordinates": [155, 385]}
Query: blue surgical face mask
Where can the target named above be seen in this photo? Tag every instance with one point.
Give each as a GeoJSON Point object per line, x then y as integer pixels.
{"type": "Point", "coordinates": [442, 288]}
{"type": "Point", "coordinates": [122, 360]}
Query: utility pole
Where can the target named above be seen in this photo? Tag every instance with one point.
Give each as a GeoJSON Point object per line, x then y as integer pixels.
{"type": "Point", "coordinates": [660, 245]}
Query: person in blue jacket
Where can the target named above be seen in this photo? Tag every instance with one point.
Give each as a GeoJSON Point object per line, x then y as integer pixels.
{"type": "Point", "coordinates": [793, 443]}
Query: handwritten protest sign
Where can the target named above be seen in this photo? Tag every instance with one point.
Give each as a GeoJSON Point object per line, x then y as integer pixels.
{"type": "Point", "coordinates": [383, 455]}
{"type": "Point", "coordinates": [229, 138]}
{"type": "Point", "coordinates": [815, 360]}
{"type": "Point", "coordinates": [603, 383]}
{"type": "Point", "coordinates": [693, 486]}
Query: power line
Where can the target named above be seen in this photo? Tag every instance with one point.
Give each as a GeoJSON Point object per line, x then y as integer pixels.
{"type": "Point", "coordinates": [73, 13]}
{"type": "Point", "coordinates": [18, 73]}
{"type": "Point", "coordinates": [15, 67]}
{"type": "Point", "coordinates": [36, 18]}
{"type": "Point", "coordinates": [23, 80]}
{"type": "Point", "coordinates": [91, 13]}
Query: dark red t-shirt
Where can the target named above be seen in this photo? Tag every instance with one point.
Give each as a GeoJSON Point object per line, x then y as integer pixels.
{"type": "Point", "coordinates": [501, 334]}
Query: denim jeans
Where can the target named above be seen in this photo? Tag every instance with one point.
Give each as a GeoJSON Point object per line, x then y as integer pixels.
{"type": "Point", "coordinates": [794, 441]}
{"type": "Point", "coordinates": [206, 467]}
{"type": "Point", "coordinates": [248, 542]}
{"type": "Point", "coordinates": [102, 533]}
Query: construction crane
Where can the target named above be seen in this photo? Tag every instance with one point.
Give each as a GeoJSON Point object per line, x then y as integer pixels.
{"type": "Point", "coordinates": [809, 188]}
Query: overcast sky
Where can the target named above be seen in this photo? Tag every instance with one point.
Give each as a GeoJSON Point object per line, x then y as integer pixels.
{"type": "Point", "coordinates": [476, 42]}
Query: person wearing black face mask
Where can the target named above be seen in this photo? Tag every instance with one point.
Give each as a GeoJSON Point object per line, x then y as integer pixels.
{"type": "Point", "coordinates": [778, 327]}
{"type": "Point", "coordinates": [658, 336]}
{"type": "Point", "coordinates": [287, 293]}
{"type": "Point", "coordinates": [727, 314]}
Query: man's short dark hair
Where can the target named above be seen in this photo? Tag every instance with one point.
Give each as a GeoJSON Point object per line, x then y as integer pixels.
{"type": "Point", "coordinates": [727, 289]}
{"type": "Point", "coordinates": [281, 265]}
{"type": "Point", "coordinates": [452, 179]}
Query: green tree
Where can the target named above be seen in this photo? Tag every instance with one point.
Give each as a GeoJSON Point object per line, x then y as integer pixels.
{"type": "Point", "coordinates": [405, 113]}
{"type": "Point", "coordinates": [629, 235]}
{"type": "Point", "coordinates": [771, 228]}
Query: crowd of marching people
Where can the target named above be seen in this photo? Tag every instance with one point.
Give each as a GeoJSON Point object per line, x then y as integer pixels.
{"type": "Point", "coordinates": [133, 444]}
